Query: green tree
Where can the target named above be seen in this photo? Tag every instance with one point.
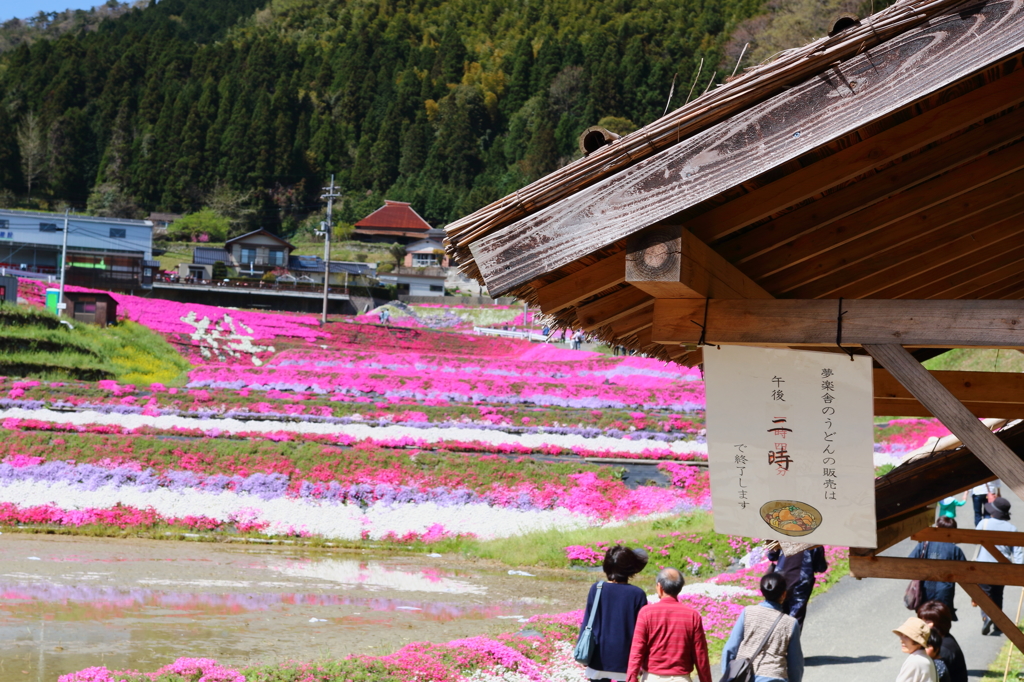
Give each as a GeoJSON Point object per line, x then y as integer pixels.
{"type": "Point", "coordinates": [193, 225]}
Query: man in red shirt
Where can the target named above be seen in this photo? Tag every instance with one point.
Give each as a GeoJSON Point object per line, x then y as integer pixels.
{"type": "Point", "coordinates": [668, 642]}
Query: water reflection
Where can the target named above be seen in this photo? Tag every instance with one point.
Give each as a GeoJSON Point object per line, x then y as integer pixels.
{"type": "Point", "coordinates": [378, 576]}
{"type": "Point", "coordinates": [97, 603]}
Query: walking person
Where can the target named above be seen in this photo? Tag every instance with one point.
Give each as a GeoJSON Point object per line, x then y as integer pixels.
{"type": "Point", "coordinates": [939, 617]}
{"type": "Point", "coordinates": [943, 551]}
{"type": "Point", "coordinates": [781, 659]}
{"type": "Point", "coordinates": [948, 505]}
{"type": "Point", "coordinates": [615, 619]}
{"type": "Point", "coordinates": [798, 571]}
{"type": "Point", "coordinates": [999, 512]}
{"type": "Point", "coordinates": [917, 667]}
{"type": "Point", "coordinates": [668, 642]}
{"type": "Point", "coordinates": [982, 495]}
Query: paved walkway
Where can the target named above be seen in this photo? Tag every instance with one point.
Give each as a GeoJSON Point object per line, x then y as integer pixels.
{"type": "Point", "coordinates": [848, 634]}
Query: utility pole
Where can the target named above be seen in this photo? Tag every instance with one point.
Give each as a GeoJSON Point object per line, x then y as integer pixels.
{"type": "Point", "coordinates": [63, 266]}
{"type": "Point", "coordinates": [330, 195]}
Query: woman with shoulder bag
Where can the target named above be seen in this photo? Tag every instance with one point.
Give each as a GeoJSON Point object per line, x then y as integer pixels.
{"type": "Point", "coordinates": [766, 637]}
{"type": "Point", "coordinates": [931, 590]}
{"type": "Point", "coordinates": [614, 618]}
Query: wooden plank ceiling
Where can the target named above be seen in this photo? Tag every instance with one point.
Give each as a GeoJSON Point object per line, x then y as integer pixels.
{"type": "Point", "coordinates": [918, 198]}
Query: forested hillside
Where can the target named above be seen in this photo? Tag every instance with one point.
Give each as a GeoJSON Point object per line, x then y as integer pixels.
{"type": "Point", "coordinates": [445, 103]}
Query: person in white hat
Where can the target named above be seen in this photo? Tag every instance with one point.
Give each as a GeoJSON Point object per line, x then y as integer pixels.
{"type": "Point", "coordinates": [918, 667]}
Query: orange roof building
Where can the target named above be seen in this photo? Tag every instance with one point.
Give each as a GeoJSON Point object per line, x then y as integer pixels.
{"type": "Point", "coordinates": [396, 221]}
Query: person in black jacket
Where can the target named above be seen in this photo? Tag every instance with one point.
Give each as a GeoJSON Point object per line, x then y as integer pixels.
{"type": "Point", "coordinates": [799, 570]}
{"type": "Point", "coordinates": [937, 614]}
{"type": "Point", "coordinates": [617, 611]}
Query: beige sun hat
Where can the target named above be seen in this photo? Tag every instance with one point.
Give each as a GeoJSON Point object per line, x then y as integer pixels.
{"type": "Point", "coordinates": [916, 629]}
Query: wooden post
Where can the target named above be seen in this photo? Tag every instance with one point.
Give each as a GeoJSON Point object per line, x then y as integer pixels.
{"type": "Point", "coordinates": [953, 415]}
{"type": "Point", "coordinates": [1001, 620]}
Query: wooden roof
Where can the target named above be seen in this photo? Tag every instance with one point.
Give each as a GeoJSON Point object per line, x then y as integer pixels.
{"type": "Point", "coordinates": [884, 162]}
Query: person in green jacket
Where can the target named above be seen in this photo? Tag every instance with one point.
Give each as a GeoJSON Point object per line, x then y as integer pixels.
{"type": "Point", "coordinates": [947, 507]}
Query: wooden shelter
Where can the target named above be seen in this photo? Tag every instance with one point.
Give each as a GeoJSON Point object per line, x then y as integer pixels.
{"type": "Point", "coordinates": [863, 194]}
{"type": "Point", "coordinates": [94, 307]}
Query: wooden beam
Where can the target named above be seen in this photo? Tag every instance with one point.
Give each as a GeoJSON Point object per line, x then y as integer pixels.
{"type": "Point", "coordinates": [612, 307]}
{"type": "Point", "coordinates": [954, 416]}
{"type": "Point", "coordinates": [792, 322]}
{"type": "Point", "coordinates": [894, 531]}
{"type": "Point", "coordinates": [953, 196]}
{"type": "Point", "coordinates": [1002, 621]}
{"type": "Point", "coordinates": [835, 103]}
{"type": "Point", "coordinates": [869, 190]}
{"type": "Point", "coordinates": [995, 388]}
{"type": "Point", "coordinates": [593, 279]}
{"type": "Point", "coordinates": [969, 536]}
{"type": "Point", "coordinates": [874, 250]}
{"type": "Point", "coordinates": [668, 261]}
{"type": "Point", "coordinates": [917, 261]}
{"type": "Point", "coordinates": [885, 407]}
{"type": "Point", "coordinates": [935, 569]}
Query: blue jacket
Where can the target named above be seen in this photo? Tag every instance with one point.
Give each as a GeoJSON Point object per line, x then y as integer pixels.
{"type": "Point", "coordinates": [613, 625]}
{"type": "Point", "coordinates": [939, 591]}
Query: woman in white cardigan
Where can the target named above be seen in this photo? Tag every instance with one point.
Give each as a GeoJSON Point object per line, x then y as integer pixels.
{"type": "Point", "coordinates": [918, 667]}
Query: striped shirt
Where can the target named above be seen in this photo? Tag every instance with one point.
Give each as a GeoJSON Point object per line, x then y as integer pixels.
{"type": "Point", "coordinates": [669, 640]}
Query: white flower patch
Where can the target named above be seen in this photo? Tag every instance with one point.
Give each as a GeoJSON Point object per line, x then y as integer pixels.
{"type": "Point", "coordinates": [223, 339]}
{"type": "Point", "coordinates": [286, 515]}
{"type": "Point", "coordinates": [719, 591]}
{"type": "Point", "coordinates": [532, 441]}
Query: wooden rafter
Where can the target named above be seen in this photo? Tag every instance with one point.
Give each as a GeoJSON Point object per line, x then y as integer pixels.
{"type": "Point", "coordinates": [952, 197]}
{"type": "Point", "coordinates": [964, 214]}
{"type": "Point", "coordinates": [789, 322]}
{"type": "Point", "coordinates": [753, 141]}
{"type": "Point", "coordinates": [874, 152]}
{"type": "Point", "coordinates": [919, 264]}
{"type": "Point", "coordinates": [593, 279]}
{"type": "Point", "coordinates": [625, 301]}
{"type": "Point", "coordinates": [961, 269]}
{"type": "Point", "coordinates": [857, 196]}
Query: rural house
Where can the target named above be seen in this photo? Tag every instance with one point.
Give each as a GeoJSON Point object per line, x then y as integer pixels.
{"type": "Point", "coordinates": [394, 222]}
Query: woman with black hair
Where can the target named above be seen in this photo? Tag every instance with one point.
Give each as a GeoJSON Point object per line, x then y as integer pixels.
{"type": "Point", "coordinates": [617, 610]}
{"type": "Point", "coordinates": [944, 551]}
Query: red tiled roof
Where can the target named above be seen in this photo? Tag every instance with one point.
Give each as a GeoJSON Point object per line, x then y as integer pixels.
{"type": "Point", "coordinates": [395, 215]}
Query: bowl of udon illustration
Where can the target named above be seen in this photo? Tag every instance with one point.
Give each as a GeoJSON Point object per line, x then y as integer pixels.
{"type": "Point", "coordinates": [790, 517]}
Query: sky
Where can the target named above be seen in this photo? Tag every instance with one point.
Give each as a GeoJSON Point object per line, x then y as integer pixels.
{"type": "Point", "coordinates": [24, 9]}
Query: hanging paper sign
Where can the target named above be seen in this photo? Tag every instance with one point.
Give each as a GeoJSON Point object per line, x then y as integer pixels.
{"type": "Point", "coordinates": [790, 445]}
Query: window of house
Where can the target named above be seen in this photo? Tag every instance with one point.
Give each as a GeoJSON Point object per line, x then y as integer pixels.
{"type": "Point", "coordinates": [424, 260]}
{"type": "Point", "coordinates": [48, 227]}
{"type": "Point", "coordinates": [85, 308]}
{"type": "Point", "coordinates": [248, 255]}
{"type": "Point", "coordinates": [436, 287]}
{"type": "Point", "coordinates": [118, 233]}
{"type": "Point", "coordinates": [276, 257]}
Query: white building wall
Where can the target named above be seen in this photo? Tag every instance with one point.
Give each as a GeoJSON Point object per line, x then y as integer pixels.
{"type": "Point", "coordinates": [84, 232]}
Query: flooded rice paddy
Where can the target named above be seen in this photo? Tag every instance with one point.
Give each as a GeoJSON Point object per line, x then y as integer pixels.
{"type": "Point", "coordinates": [67, 603]}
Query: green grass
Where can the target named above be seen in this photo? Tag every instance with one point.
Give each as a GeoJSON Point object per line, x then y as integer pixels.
{"type": "Point", "coordinates": [989, 360]}
{"type": "Point", "coordinates": [34, 344]}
